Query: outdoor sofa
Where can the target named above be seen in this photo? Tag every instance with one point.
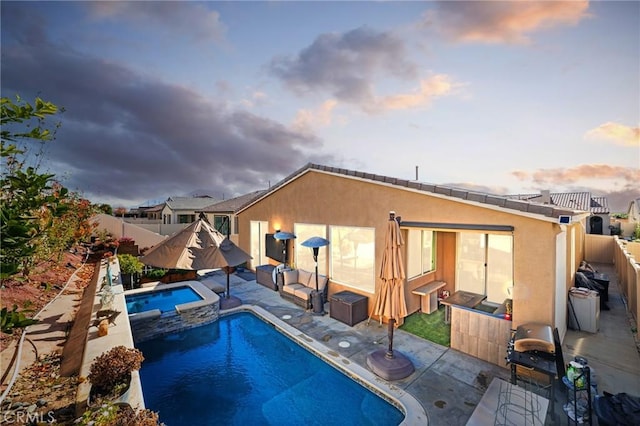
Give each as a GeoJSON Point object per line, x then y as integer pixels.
{"type": "Point", "coordinates": [297, 285]}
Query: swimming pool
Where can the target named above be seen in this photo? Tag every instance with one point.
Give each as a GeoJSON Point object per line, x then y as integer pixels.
{"type": "Point", "coordinates": [241, 370]}
{"type": "Point", "coordinates": [164, 300]}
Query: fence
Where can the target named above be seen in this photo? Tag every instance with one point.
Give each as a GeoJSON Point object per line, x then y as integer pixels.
{"type": "Point", "coordinates": [625, 256]}
{"type": "Point", "coordinates": [627, 267]}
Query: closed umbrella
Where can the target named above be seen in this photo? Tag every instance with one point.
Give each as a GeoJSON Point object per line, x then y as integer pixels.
{"type": "Point", "coordinates": [390, 303]}
{"type": "Point", "coordinates": [198, 246]}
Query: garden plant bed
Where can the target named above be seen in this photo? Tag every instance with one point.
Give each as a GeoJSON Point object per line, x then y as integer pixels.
{"type": "Point", "coordinates": [40, 384]}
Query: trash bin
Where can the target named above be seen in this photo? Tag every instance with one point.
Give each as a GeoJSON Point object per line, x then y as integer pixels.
{"type": "Point", "coordinates": [584, 310]}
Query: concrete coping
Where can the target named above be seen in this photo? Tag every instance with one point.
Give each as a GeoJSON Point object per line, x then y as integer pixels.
{"type": "Point", "coordinates": [153, 313]}
{"type": "Point", "coordinates": [413, 411]}
{"type": "Point", "coordinates": [119, 334]}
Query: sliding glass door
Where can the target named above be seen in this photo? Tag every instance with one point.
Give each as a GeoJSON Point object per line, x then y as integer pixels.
{"type": "Point", "coordinates": [484, 265]}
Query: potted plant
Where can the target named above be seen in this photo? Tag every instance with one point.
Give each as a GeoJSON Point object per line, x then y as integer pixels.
{"type": "Point", "coordinates": [110, 373]}
{"type": "Point", "coordinates": [130, 269]}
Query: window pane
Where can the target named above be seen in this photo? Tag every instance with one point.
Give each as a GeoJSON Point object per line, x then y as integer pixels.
{"type": "Point", "coordinates": [353, 257]}
{"type": "Point", "coordinates": [221, 223]}
{"type": "Point", "coordinates": [427, 251]}
{"type": "Point", "coordinates": [420, 253]}
{"type": "Point", "coordinates": [499, 267]}
{"type": "Point", "coordinates": [414, 253]}
{"type": "Point", "coordinates": [304, 255]}
{"type": "Point", "coordinates": [470, 262]}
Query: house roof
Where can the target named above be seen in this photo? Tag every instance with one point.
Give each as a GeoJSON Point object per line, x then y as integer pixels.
{"type": "Point", "coordinates": [189, 203]}
{"type": "Point", "coordinates": [496, 201]}
{"type": "Point", "coordinates": [156, 208]}
{"type": "Point", "coordinates": [233, 204]}
{"type": "Point", "coordinates": [582, 201]}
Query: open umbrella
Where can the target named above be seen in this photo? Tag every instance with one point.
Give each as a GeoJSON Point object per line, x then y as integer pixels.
{"type": "Point", "coordinates": [198, 246]}
{"type": "Point", "coordinates": [390, 303]}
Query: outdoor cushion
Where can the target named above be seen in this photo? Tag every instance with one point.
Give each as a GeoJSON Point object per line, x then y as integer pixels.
{"type": "Point", "coordinates": [303, 292]}
{"type": "Point", "coordinates": [290, 277]}
{"type": "Point", "coordinates": [292, 288]}
{"type": "Point", "coordinates": [304, 276]}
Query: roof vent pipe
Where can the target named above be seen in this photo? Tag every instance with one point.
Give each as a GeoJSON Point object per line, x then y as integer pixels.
{"type": "Point", "coordinates": [416, 173]}
{"type": "Point", "coordinates": [545, 196]}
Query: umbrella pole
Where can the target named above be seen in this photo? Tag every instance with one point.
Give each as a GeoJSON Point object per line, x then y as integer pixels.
{"type": "Point", "coordinates": [389, 353]}
{"type": "Point", "coordinates": [227, 284]}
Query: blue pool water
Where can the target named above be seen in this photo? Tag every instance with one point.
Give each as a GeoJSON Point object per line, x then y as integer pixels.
{"type": "Point", "coordinates": [240, 370]}
{"type": "Point", "coordinates": [165, 300]}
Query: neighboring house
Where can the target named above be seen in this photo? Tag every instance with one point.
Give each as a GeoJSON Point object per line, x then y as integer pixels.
{"type": "Point", "coordinates": [183, 210]}
{"type": "Point", "coordinates": [599, 219]}
{"type": "Point", "coordinates": [496, 246]}
{"type": "Point", "coordinates": [223, 213]}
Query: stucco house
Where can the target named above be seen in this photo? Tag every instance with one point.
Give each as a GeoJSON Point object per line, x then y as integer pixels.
{"type": "Point", "coordinates": [183, 209]}
{"type": "Point", "coordinates": [598, 207]}
{"type": "Point", "coordinates": [223, 213]}
{"type": "Point", "coordinates": [496, 246]}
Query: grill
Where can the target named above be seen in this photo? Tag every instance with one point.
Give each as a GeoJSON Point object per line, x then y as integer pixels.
{"type": "Point", "coordinates": [534, 337]}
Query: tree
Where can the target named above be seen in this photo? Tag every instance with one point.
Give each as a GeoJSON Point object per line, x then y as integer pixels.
{"type": "Point", "coordinates": [29, 200]}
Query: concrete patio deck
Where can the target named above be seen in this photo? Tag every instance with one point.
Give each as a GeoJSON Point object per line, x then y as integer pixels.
{"type": "Point", "coordinates": [448, 383]}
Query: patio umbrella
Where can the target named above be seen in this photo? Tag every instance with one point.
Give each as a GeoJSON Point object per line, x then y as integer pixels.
{"type": "Point", "coordinates": [390, 303]}
{"type": "Point", "coordinates": [198, 246]}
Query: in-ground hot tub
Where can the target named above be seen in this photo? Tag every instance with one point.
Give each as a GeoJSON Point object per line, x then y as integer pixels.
{"type": "Point", "coordinates": [167, 308]}
{"type": "Point", "coordinates": [164, 300]}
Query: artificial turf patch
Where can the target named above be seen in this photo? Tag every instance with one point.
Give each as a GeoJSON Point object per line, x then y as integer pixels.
{"type": "Point", "coordinates": [430, 327]}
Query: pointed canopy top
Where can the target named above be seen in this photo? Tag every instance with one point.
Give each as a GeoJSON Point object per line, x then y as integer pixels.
{"type": "Point", "coordinates": [198, 246]}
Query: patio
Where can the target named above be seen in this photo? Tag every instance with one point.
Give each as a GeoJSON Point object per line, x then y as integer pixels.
{"type": "Point", "coordinates": [448, 383]}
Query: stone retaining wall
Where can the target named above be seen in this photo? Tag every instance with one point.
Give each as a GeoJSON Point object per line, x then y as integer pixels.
{"type": "Point", "coordinates": [154, 323]}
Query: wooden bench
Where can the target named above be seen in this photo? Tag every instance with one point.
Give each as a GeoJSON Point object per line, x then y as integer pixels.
{"type": "Point", "coordinates": [429, 295]}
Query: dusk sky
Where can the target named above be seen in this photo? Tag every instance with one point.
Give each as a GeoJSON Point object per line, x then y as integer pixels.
{"type": "Point", "coordinates": [167, 98]}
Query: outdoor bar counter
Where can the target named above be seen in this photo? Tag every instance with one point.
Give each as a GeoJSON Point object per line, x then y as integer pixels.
{"type": "Point", "coordinates": [475, 332]}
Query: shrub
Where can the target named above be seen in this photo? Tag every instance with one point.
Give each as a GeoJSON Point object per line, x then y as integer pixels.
{"type": "Point", "coordinates": [110, 414]}
{"type": "Point", "coordinates": [130, 264]}
{"type": "Point", "coordinates": [156, 273]}
{"type": "Point", "coordinates": [113, 368]}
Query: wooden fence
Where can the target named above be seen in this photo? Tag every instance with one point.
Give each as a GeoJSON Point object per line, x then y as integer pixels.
{"type": "Point", "coordinates": [625, 256]}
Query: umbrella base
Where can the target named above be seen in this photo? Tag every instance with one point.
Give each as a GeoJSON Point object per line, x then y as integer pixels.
{"type": "Point", "coordinates": [229, 302]}
{"type": "Point", "coordinates": [395, 368]}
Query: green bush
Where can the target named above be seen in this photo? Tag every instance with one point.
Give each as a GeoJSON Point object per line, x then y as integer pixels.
{"type": "Point", "coordinates": [130, 264]}
{"type": "Point", "coordinates": [10, 320]}
{"type": "Point", "coordinates": [155, 274]}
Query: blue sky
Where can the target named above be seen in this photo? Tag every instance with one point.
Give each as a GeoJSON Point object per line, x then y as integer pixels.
{"type": "Point", "coordinates": [165, 98]}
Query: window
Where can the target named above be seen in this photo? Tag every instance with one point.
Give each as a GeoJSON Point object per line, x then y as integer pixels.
{"type": "Point", "coordinates": [353, 257]}
{"type": "Point", "coordinates": [221, 223]}
{"type": "Point", "coordinates": [304, 255]}
{"type": "Point", "coordinates": [420, 252]}
{"type": "Point", "coordinates": [484, 265]}
{"type": "Point", "coordinates": [186, 218]}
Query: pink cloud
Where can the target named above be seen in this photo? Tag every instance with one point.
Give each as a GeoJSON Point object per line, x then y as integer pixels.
{"type": "Point", "coordinates": [616, 133]}
{"type": "Point", "coordinates": [504, 21]}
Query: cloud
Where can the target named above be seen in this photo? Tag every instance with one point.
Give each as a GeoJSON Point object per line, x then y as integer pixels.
{"type": "Point", "coordinates": [127, 137]}
{"type": "Point", "coordinates": [345, 64]}
{"type": "Point", "coordinates": [179, 18]}
{"type": "Point", "coordinates": [503, 21]}
{"type": "Point", "coordinates": [619, 134]}
{"type": "Point", "coordinates": [430, 89]}
{"type": "Point", "coordinates": [323, 116]}
{"type": "Point", "coordinates": [565, 176]}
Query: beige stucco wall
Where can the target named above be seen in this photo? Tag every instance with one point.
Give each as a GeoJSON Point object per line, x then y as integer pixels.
{"type": "Point", "coordinates": [318, 197]}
